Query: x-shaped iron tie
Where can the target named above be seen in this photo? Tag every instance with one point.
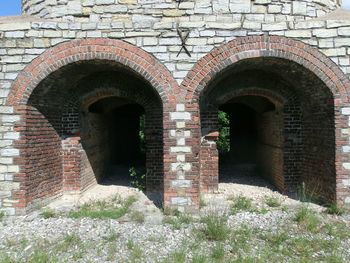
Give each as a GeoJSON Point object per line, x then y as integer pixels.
{"type": "Point", "coordinates": [183, 41]}
{"type": "Point", "coordinates": [179, 1]}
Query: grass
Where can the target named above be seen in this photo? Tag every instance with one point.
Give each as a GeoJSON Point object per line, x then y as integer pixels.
{"type": "Point", "coordinates": [114, 209]}
{"type": "Point", "coordinates": [41, 256]}
{"type": "Point", "coordinates": [178, 221]}
{"type": "Point", "coordinates": [307, 219]}
{"type": "Point", "coordinates": [315, 237]}
{"type": "Point", "coordinates": [137, 216]}
{"type": "Point", "coordinates": [214, 227]}
{"type": "Point", "coordinates": [2, 215]}
{"type": "Point", "coordinates": [218, 252]}
{"type": "Point", "coordinates": [334, 209]}
{"type": "Point", "coordinates": [112, 236]}
{"type": "Point", "coordinates": [135, 251]}
{"type": "Point", "coordinates": [69, 241]}
{"type": "Point", "coordinates": [111, 252]}
{"type": "Point", "coordinates": [178, 256]}
{"type": "Point", "coordinates": [47, 213]}
{"type": "Point", "coordinates": [199, 258]}
{"type": "Point", "coordinates": [241, 203]}
{"type": "Point", "coordinates": [273, 201]}
{"type": "Point", "coordinates": [241, 238]}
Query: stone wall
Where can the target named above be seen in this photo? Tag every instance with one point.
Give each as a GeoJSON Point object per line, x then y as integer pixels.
{"type": "Point", "coordinates": [143, 36]}
{"type": "Point", "coordinates": [147, 13]}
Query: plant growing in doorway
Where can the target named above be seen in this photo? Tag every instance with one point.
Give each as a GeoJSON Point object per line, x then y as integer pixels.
{"type": "Point", "coordinates": [138, 178]}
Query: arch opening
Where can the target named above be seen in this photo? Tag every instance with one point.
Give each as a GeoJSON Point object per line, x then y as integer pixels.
{"type": "Point", "coordinates": [279, 125]}
{"type": "Point", "coordinates": [90, 122]}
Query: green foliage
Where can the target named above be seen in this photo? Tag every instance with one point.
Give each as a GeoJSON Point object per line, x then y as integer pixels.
{"type": "Point", "coordinates": [215, 227]}
{"type": "Point", "coordinates": [103, 209]}
{"type": "Point", "coordinates": [198, 258]}
{"type": "Point", "coordinates": [307, 219]}
{"type": "Point", "coordinates": [272, 201]}
{"type": "Point", "coordinates": [223, 142]}
{"type": "Point", "coordinates": [218, 252]}
{"type": "Point", "coordinates": [2, 215]}
{"type": "Point", "coordinates": [111, 237]}
{"type": "Point", "coordinates": [47, 213]}
{"type": "Point", "coordinates": [241, 237]}
{"type": "Point", "coordinates": [241, 203]}
{"type": "Point", "coordinates": [135, 251]}
{"type": "Point", "coordinates": [178, 221]}
{"type": "Point", "coordinates": [138, 178]}
{"type": "Point", "coordinates": [137, 216]}
{"type": "Point", "coordinates": [178, 256]}
{"type": "Point", "coordinates": [334, 209]}
{"type": "Point", "coordinates": [41, 256]}
{"type": "Point", "coordinates": [142, 134]}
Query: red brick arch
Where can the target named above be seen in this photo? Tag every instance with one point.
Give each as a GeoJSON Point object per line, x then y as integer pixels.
{"type": "Point", "coordinates": [207, 68]}
{"type": "Point", "coordinates": [253, 91]}
{"type": "Point", "coordinates": [132, 57]}
{"type": "Point", "coordinates": [220, 59]}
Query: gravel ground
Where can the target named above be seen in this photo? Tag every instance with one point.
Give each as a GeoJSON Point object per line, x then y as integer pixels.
{"type": "Point", "coordinates": [253, 235]}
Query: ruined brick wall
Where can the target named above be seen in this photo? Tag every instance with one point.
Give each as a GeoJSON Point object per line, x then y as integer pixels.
{"type": "Point", "coordinates": [141, 36]}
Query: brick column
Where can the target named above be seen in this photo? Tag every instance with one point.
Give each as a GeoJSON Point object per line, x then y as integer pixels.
{"type": "Point", "coordinates": [71, 162]}
{"type": "Point", "coordinates": [209, 163]}
{"type": "Point", "coordinates": [183, 185]}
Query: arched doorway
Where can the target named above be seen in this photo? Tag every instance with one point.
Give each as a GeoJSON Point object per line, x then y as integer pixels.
{"type": "Point", "coordinates": [55, 94]}
{"type": "Point", "coordinates": [281, 125]}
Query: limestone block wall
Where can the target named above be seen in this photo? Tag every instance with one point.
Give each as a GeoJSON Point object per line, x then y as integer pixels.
{"type": "Point", "coordinates": [146, 12]}
{"type": "Point", "coordinates": [150, 27]}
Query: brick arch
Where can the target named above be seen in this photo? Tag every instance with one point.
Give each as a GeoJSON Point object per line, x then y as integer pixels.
{"type": "Point", "coordinates": [253, 91]}
{"type": "Point", "coordinates": [132, 57]}
{"type": "Point", "coordinates": [210, 67]}
{"type": "Point", "coordinates": [97, 95]}
{"type": "Point", "coordinates": [219, 59]}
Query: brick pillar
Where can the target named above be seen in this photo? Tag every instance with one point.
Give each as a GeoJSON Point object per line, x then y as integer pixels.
{"type": "Point", "coordinates": [181, 185]}
{"type": "Point", "coordinates": [71, 161]}
{"type": "Point", "coordinates": [209, 163]}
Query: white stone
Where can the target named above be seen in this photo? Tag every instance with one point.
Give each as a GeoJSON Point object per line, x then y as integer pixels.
{"type": "Point", "coordinates": [274, 26]}
{"type": "Point", "coordinates": [9, 152]}
{"type": "Point", "coordinates": [181, 142]}
{"type": "Point", "coordinates": [346, 182]}
{"type": "Point", "coordinates": [6, 160]}
{"type": "Point", "coordinates": [217, 25]}
{"type": "Point", "coordinates": [180, 149]}
{"type": "Point", "coordinates": [10, 118]}
{"type": "Point", "coordinates": [299, 8]}
{"type": "Point", "coordinates": [346, 166]}
{"type": "Point", "coordinates": [240, 6]}
{"type": "Point", "coordinates": [334, 52]}
{"type": "Point", "coordinates": [180, 116]}
{"type": "Point", "coordinates": [180, 124]}
{"type": "Point", "coordinates": [181, 183]}
{"type": "Point", "coordinates": [181, 158]}
{"type": "Point", "coordinates": [181, 166]}
{"type": "Point", "coordinates": [298, 33]}
{"type": "Point", "coordinates": [15, 26]}
{"type": "Point", "coordinates": [342, 42]}
{"type": "Point", "coordinates": [181, 201]}
{"type": "Point", "coordinates": [11, 135]}
{"type": "Point", "coordinates": [346, 149]}
{"type": "Point", "coordinates": [324, 33]}
{"type": "Point", "coordinates": [345, 31]}
{"type": "Point", "coordinates": [6, 109]}
{"type": "Point", "coordinates": [337, 23]}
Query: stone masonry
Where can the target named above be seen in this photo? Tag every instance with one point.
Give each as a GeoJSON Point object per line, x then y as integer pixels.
{"type": "Point", "coordinates": [305, 44]}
